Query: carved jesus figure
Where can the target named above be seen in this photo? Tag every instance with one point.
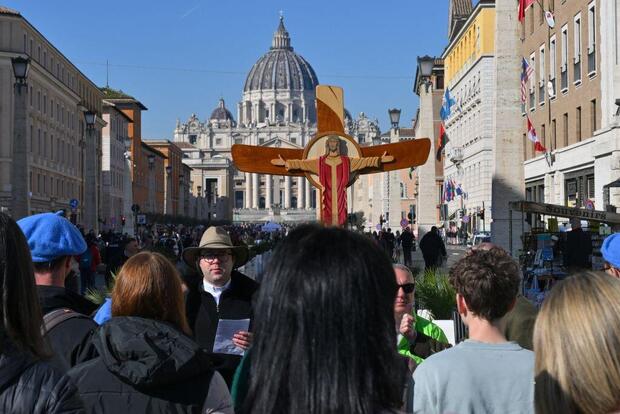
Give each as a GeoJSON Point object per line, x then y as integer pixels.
{"type": "Point", "coordinates": [334, 172]}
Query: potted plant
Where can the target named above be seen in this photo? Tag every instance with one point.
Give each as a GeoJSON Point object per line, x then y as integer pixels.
{"type": "Point", "coordinates": [436, 296]}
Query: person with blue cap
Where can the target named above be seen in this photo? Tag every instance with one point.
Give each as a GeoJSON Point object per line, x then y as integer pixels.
{"type": "Point", "coordinates": [53, 241]}
{"type": "Point", "coordinates": [611, 253]}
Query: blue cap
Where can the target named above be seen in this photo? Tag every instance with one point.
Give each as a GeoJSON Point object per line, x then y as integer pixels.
{"type": "Point", "coordinates": [611, 250]}
{"type": "Point", "coordinates": [51, 236]}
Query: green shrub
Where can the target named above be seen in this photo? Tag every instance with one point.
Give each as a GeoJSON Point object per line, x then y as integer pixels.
{"type": "Point", "coordinates": [434, 293]}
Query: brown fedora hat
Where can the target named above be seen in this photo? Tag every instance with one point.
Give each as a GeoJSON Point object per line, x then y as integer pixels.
{"type": "Point", "coordinates": [216, 238]}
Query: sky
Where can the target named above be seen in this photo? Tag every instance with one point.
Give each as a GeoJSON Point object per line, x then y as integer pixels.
{"type": "Point", "coordinates": [179, 58]}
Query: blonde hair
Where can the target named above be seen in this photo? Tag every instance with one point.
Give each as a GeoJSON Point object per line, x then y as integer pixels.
{"type": "Point", "coordinates": [577, 346]}
{"type": "Point", "coordinates": [149, 286]}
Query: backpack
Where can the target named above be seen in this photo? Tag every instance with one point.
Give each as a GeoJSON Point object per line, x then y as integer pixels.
{"type": "Point", "coordinates": [58, 316]}
{"type": "Point", "coordinates": [86, 259]}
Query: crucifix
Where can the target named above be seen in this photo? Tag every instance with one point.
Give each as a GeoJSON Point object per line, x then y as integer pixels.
{"type": "Point", "coordinates": [332, 160]}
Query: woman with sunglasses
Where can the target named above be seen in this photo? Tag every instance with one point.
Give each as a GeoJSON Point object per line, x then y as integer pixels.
{"type": "Point", "coordinates": [418, 338]}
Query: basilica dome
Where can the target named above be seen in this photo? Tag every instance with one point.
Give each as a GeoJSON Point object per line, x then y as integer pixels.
{"type": "Point", "coordinates": [221, 113]}
{"type": "Point", "coordinates": [281, 68]}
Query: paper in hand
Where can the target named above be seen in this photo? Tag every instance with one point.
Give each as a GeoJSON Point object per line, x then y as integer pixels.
{"type": "Point", "coordinates": [226, 328]}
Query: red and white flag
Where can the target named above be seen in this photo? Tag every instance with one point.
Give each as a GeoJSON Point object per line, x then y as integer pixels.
{"type": "Point", "coordinates": [523, 5]}
{"type": "Point", "coordinates": [531, 135]}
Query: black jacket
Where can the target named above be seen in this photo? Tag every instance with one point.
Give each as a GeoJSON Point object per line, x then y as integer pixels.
{"type": "Point", "coordinates": [203, 316]}
{"type": "Point", "coordinates": [144, 366]}
{"type": "Point", "coordinates": [66, 338]}
{"type": "Point", "coordinates": [28, 386]}
{"type": "Point", "coordinates": [432, 246]}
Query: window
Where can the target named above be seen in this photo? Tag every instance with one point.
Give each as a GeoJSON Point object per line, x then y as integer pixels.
{"type": "Point", "coordinates": [541, 75]}
{"type": "Point", "coordinates": [578, 124]}
{"type": "Point", "coordinates": [218, 141]}
{"type": "Point", "coordinates": [591, 38]}
{"type": "Point", "coordinates": [52, 108]}
{"type": "Point", "coordinates": [554, 143]}
{"type": "Point", "coordinates": [593, 116]}
{"type": "Point", "coordinates": [39, 146]}
{"type": "Point", "coordinates": [564, 57]}
{"type": "Point", "coordinates": [565, 130]}
{"type": "Point", "coordinates": [577, 48]}
{"type": "Point", "coordinates": [532, 87]}
{"type": "Point", "coordinates": [238, 140]}
{"type": "Point", "coordinates": [543, 135]}
{"type": "Point", "coordinates": [293, 140]}
{"type": "Point", "coordinates": [30, 149]}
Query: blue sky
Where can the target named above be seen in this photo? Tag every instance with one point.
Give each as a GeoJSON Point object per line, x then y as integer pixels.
{"type": "Point", "coordinates": [179, 57]}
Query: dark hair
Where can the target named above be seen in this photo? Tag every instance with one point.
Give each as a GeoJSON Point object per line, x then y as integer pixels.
{"type": "Point", "coordinates": [19, 304]}
{"type": "Point", "coordinates": [51, 265]}
{"type": "Point", "coordinates": [325, 338]}
{"type": "Point", "coordinates": [488, 280]}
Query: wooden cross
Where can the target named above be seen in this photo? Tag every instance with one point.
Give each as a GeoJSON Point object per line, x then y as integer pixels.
{"type": "Point", "coordinates": [332, 159]}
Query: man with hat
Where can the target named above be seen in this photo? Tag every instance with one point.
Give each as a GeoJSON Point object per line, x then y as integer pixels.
{"type": "Point", "coordinates": [611, 253]}
{"type": "Point", "coordinates": [224, 293]}
{"type": "Point", "coordinates": [53, 242]}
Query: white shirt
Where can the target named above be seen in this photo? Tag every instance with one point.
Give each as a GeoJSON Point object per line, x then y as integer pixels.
{"type": "Point", "coordinates": [215, 291]}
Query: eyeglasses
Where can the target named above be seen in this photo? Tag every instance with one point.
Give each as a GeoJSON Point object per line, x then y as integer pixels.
{"type": "Point", "coordinates": [221, 256]}
{"type": "Point", "coordinates": [407, 287]}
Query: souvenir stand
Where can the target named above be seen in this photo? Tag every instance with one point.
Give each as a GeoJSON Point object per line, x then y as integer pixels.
{"type": "Point", "coordinates": [542, 256]}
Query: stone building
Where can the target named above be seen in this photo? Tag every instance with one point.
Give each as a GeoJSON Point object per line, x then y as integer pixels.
{"type": "Point", "coordinates": [470, 77]}
{"type": "Point", "coordinates": [574, 119]}
{"type": "Point", "coordinates": [277, 109]}
{"type": "Point", "coordinates": [48, 154]}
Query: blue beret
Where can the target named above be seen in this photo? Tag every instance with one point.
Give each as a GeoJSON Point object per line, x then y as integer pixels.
{"type": "Point", "coordinates": [51, 236]}
{"type": "Point", "coordinates": [611, 250]}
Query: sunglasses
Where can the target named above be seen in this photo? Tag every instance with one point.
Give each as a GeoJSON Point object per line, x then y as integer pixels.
{"type": "Point", "coordinates": [407, 287]}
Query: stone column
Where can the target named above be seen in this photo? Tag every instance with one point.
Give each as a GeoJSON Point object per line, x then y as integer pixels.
{"type": "Point", "coordinates": [508, 177]}
{"type": "Point", "coordinates": [255, 190]}
{"type": "Point", "coordinates": [19, 165]}
{"type": "Point", "coordinates": [301, 183]}
{"type": "Point", "coordinates": [247, 203]}
{"type": "Point", "coordinates": [287, 191]}
{"type": "Point", "coordinates": [308, 195]}
{"type": "Point", "coordinates": [269, 189]}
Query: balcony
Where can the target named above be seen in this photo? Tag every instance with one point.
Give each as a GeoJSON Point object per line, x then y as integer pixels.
{"type": "Point", "coordinates": [455, 155]}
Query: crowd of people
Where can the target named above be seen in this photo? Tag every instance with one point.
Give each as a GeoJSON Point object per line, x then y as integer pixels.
{"type": "Point", "coordinates": [332, 328]}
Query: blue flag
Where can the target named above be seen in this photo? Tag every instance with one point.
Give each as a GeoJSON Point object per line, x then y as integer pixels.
{"type": "Point", "coordinates": [446, 104]}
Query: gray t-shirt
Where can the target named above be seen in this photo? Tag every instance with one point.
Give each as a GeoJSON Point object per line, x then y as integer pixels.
{"type": "Point", "coordinates": [475, 377]}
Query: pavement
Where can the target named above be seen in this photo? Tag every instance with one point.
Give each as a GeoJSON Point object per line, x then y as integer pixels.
{"type": "Point", "coordinates": [454, 254]}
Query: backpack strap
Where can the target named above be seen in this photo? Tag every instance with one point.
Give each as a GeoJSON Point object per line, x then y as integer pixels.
{"type": "Point", "coordinates": [58, 316]}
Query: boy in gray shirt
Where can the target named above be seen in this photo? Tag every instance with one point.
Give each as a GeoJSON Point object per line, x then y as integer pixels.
{"type": "Point", "coordinates": [486, 373]}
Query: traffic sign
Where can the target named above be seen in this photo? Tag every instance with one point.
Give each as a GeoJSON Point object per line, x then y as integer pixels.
{"type": "Point", "coordinates": [141, 219]}
{"type": "Point", "coordinates": [135, 208]}
{"type": "Point", "coordinates": [73, 203]}
{"type": "Point", "coordinates": [403, 223]}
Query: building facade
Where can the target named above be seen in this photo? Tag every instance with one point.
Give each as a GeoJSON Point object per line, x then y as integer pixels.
{"type": "Point", "coordinates": [470, 77]}
{"type": "Point", "coordinates": [47, 115]}
{"type": "Point", "coordinates": [173, 169]}
{"type": "Point", "coordinates": [564, 105]}
{"type": "Point", "coordinates": [114, 168]}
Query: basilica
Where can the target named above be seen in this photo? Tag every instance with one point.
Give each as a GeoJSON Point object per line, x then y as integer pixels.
{"type": "Point", "coordinates": [277, 109]}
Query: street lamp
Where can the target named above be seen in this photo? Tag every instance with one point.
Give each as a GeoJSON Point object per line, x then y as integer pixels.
{"type": "Point", "coordinates": [20, 70]}
{"type": "Point", "coordinates": [169, 169]}
{"type": "Point", "coordinates": [394, 117]}
{"type": "Point", "coordinates": [425, 65]}
{"type": "Point", "coordinates": [20, 166]}
{"type": "Point", "coordinates": [90, 118]}
{"type": "Point", "coordinates": [151, 159]}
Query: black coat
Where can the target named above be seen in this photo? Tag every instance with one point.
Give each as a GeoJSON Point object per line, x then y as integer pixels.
{"type": "Point", "coordinates": [66, 338]}
{"type": "Point", "coordinates": [144, 366]}
{"type": "Point", "coordinates": [432, 247]}
{"type": "Point", "coordinates": [203, 315]}
{"type": "Point", "coordinates": [28, 386]}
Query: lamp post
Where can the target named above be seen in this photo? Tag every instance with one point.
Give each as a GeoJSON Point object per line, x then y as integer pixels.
{"type": "Point", "coordinates": [394, 117]}
{"type": "Point", "coordinates": [19, 164]}
{"type": "Point", "coordinates": [391, 176]}
{"type": "Point", "coordinates": [90, 160]}
{"type": "Point", "coordinates": [181, 202]}
{"type": "Point", "coordinates": [168, 190]}
{"type": "Point", "coordinates": [425, 64]}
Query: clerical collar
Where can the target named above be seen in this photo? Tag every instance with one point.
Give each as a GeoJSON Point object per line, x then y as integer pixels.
{"type": "Point", "coordinates": [215, 291]}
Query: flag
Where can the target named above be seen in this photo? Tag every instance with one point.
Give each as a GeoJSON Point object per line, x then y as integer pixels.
{"type": "Point", "coordinates": [442, 141]}
{"type": "Point", "coordinates": [531, 135]}
{"type": "Point", "coordinates": [523, 5]}
{"type": "Point", "coordinates": [459, 190]}
{"type": "Point", "coordinates": [526, 72]}
{"type": "Point", "coordinates": [446, 104]}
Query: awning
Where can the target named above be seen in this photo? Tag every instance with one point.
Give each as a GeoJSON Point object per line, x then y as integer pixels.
{"type": "Point", "coordinates": [613, 184]}
{"type": "Point", "coordinates": [563, 211]}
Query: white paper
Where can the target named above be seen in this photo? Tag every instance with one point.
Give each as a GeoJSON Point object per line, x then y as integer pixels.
{"type": "Point", "coordinates": [226, 328]}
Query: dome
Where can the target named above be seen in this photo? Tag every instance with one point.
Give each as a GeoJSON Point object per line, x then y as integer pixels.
{"type": "Point", "coordinates": [221, 113]}
{"type": "Point", "coordinates": [281, 68]}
